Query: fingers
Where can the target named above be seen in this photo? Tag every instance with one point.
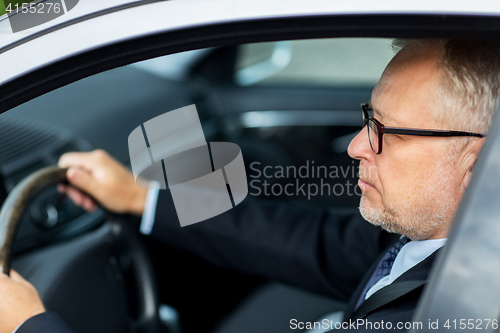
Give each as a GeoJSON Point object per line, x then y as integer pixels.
{"type": "Point", "coordinates": [76, 159]}
{"type": "Point", "coordinates": [78, 198]}
{"type": "Point", "coordinates": [104, 179]}
{"type": "Point", "coordinates": [87, 160]}
{"type": "Point", "coordinates": [16, 277]}
{"type": "Point", "coordinates": [82, 168]}
{"type": "Point", "coordinates": [89, 204]}
{"type": "Point", "coordinates": [81, 179]}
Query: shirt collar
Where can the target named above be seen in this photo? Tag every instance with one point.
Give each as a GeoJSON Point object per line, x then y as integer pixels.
{"type": "Point", "coordinates": [413, 253]}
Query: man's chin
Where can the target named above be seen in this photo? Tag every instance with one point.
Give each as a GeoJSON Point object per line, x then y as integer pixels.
{"type": "Point", "coordinates": [381, 218]}
{"type": "Point", "coordinates": [370, 213]}
{"type": "Point", "coordinates": [392, 222]}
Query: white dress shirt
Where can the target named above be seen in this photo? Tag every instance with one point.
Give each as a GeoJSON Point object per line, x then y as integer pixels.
{"type": "Point", "coordinates": [148, 216]}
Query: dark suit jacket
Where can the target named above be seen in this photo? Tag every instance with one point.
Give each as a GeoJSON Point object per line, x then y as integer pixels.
{"type": "Point", "coordinates": [392, 304]}
{"type": "Point", "coordinates": [324, 251]}
{"type": "Point", "coordinates": [47, 322]}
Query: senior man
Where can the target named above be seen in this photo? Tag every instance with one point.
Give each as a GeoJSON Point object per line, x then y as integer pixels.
{"type": "Point", "coordinates": [425, 126]}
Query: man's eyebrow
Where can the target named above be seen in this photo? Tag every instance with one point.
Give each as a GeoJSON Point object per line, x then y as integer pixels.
{"type": "Point", "coordinates": [375, 111]}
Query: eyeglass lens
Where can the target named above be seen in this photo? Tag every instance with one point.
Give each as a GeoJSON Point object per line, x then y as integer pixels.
{"type": "Point", "coordinates": [373, 135]}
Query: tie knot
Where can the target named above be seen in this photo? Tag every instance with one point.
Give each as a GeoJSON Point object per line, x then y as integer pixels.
{"type": "Point", "coordinates": [394, 250]}
{"type": "Point", "coordinates": [401, 242]}
{"type": "Point", "coordinates": [388, 260]}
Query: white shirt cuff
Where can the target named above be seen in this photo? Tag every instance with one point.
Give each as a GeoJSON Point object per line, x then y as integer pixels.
{"type": "Point", "coordinates": [148, 217]}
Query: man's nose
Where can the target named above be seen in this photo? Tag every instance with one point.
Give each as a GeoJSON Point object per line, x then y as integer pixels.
{"type": "Point", "coordinates": [359, 147]}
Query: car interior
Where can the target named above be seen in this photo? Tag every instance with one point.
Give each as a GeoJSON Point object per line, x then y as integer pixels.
{"type": "Point", "coordinates": [287, 104]}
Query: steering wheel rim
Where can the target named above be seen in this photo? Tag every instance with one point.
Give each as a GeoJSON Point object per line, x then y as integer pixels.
{"type": "Point", "coordinates": [15, 204]}
{"type": "Point", "coordinates": [142, 267]}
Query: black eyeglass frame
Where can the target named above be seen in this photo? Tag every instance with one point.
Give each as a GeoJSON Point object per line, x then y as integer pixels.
{"type": "Point", "coordinates": [382, 129]}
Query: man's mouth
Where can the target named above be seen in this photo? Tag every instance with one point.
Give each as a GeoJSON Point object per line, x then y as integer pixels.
{"type": "Point", "coordinates": [364, 185]}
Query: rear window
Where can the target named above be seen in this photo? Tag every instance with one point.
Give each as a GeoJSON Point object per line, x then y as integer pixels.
{"type": "Point", "coordinates": [337, 62]}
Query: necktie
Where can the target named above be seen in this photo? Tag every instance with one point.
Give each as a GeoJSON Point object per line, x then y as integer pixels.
{"type": "Point", "coordinates": [383, 268]}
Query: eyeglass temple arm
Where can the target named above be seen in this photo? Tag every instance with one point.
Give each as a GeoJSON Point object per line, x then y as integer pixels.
{"type": "Point", "coordinates": [440, 133]}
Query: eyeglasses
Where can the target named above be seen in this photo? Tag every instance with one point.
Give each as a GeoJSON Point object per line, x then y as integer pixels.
{"type": "Point", "coordinates": [376, 131]}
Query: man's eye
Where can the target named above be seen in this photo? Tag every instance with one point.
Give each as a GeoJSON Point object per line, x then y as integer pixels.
{"type": "Point", "coordinates": [392, 138]}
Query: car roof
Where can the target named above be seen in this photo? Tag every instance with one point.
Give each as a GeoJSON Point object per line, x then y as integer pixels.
{"type": "Point", "coordinates": [276, 8]}
{"type": "Point", "coordinates": [92, 24]}
{"type": "Point", "coordinates": [82, 9]}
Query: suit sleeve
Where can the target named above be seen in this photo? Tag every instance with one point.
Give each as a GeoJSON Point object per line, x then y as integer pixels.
{"type": "Point", "coordinates": [48, 322]}
{"type": "Point", "coordinates": [319, 250]}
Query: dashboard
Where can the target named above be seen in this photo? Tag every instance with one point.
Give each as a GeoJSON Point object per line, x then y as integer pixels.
{"type": "Point", "coordinates": [30, 146]}
{"type": "Point", "coordinates": [64, 251]}
{"type": "Point", "coordinates": [97, 112]}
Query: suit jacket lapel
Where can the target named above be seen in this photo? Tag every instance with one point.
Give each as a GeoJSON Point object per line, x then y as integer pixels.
{"type": "Point", "coordinates": [357, 293]}
{"type": "Point", "coordinates": [407, 282]}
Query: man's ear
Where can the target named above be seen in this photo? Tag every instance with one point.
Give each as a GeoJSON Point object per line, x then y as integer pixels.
{"type": "Point", "coordinates": [471, 154]}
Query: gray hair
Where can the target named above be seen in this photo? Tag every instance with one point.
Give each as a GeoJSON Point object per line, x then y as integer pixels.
{"type": "Point", "coordinates": [469, 91]}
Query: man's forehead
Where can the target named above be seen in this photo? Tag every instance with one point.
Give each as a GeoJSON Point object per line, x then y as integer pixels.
{"type": "Point", "coordinates": [401, 97]}
{"type": "Point", "coordinates": [375, 105]}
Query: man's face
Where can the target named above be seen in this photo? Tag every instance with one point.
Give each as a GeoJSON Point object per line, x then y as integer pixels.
{"type": "Point", "coordinates": [412, 187]}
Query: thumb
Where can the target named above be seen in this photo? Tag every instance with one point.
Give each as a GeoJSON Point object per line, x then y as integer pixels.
{"type": "Point", "coordinates": [81, 179]}
{"type": "Point", "coordinates": [16, 277]}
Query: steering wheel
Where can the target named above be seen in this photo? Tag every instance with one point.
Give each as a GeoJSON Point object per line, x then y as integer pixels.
{"type": "Point", "coordinates": [141, 266]}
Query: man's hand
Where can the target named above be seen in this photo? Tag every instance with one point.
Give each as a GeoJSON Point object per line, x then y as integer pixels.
{"type": "Point", "coordinates": [19, 301]}
{"type": "Point", "coordinates": [105, 180]}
